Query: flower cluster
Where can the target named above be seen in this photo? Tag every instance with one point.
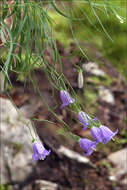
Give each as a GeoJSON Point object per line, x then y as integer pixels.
{"type": "Point", "coordinates": [100, 134]}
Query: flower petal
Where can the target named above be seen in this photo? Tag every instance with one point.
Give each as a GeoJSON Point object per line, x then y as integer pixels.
{"type": "Point", "coordinates": [39, 151]}
{"type": "Point", "coordinates": [35, 157]}
{"type": "Point", "coordinates": [66, 99]}
{"type": "Point", "coordinates": [87, 145]}
{"type": "Point", "coordinates": [46, 153]}
{"type": "Point", "coordinates": [96, 134]}
{"type": "Point", "coordinates": [84, 119]}
{"type": "Point", "coordinates": [107, 134]}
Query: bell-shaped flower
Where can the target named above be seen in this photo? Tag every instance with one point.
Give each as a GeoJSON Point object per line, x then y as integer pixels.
{"type": "Point", "coordinates": [66, 99]}
{"type": "Point", "coordinates": [84, 119]}
{"type": "Point", "coordinates": [40, 152]}
{"type": "Point", "coordinates": [102, 134]}
{"type": "Point", "coordinates": [87, 145]}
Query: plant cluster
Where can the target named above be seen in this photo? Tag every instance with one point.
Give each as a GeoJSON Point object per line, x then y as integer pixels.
{"type": "Point", "coordinates": [26, 37]}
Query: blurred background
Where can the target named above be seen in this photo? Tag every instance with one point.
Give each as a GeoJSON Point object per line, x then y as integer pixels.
{"type": "Point", "coordinates": [92, 36]}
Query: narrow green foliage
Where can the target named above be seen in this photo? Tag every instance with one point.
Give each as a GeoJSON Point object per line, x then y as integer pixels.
{"type": "Point", "coordinates": [29, 41]}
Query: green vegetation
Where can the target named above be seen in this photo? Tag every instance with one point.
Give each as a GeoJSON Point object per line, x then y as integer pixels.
{"type": "Point", "coordinates": [4, 187]}
{"type": "Point", "coordinates": [104, 26]}
{"type": "Point", "coordinates": [123, 139]}
{"type": "Point", "coordinates": [107, 165]}
{"type": "Point", "coordinates": [90, 97]}
{"type": "Point", "coordinates": [106, 80]}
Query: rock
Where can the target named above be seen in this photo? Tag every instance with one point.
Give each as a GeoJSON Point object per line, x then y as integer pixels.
{"type": "Point", "coordinates": [15, 144]}
{"type": "Point", "coordinates": [48, 185]}
{"type": "Point", "coordinates": [93, 69]}
{"type": "Point", "coordinates": [74, 155]}
{"type": "Point", "coordinates": [45, 185]}
{"type": "Point", "coordinates": [119, 159]}
{"type": "Point", "coordinates": [106, 95]}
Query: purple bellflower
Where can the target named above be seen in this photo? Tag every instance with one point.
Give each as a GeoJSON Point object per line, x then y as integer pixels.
{"type": "Point", "coordinates": [87, 145]}
{"type": "Point", "coordinates": [40, 152]}
{"type": "Point", "coordinates": [84, 119]}
{"type": "Point", "coordinates": [66, 99]}
{"type": "Point", "coordinates": [102, 134]}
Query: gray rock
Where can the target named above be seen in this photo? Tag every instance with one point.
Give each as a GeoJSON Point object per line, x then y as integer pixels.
{"type": "Point", "coordinates": [48, 185]}
{"type": "Point", "coordinates": [74, 155]}
{"type": "Point", "coordinates": [119, 159]}
{"type": "Point", "coordinates": [106, 95]}
{"type": "Point", "coordinates": [45, 185]}
{"type": "Point", "coordinates": [15, 144]}
{"type": "Point", "coordinates": [93, 69]}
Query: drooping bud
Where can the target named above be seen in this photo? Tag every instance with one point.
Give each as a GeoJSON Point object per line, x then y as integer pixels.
{"type": "Point", "coordinates": [87, 145]}
{"type": "Point", "coordinates": [84, 119]}
{"type": "Point", "coordinates": [66, 99]}
{"type": "Point", "coordinates": [40, 152]}
{"type": "Point", "coordinates": [80, 79]}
